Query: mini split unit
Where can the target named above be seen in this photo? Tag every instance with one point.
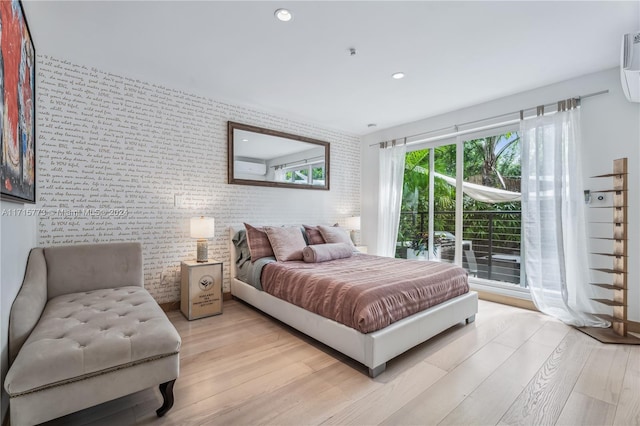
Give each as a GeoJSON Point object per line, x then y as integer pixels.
{"type": "Point", "coordinates": [250, 168]}
{"type": "Point", "coordinates": [630, 66]}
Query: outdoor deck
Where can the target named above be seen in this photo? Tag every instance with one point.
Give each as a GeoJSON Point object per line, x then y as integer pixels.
{"type": "Point", "coordinates": [491, 241]}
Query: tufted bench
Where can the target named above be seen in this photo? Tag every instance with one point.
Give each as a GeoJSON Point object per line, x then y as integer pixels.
{"type": "Point", "coordinates": [83, 330]}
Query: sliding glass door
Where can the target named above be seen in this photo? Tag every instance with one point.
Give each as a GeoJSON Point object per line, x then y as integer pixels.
{"type": "Point", "coordinates": [487, 173]}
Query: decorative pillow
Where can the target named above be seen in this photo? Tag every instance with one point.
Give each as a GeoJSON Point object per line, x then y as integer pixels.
{"type": "Point", "coordinates": [335, 234]}
{"type": "Point", "coordinates": [287, 243]}
{"type": "Point", "coordinates": [259, 244]}
{"type": "Point", "coordinates": [325, 252]}
{"type": "Point", "coordinates": [313, 235]}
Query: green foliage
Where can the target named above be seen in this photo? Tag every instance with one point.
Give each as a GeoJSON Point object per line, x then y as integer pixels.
{"type": "Point", "coordinates": [495, 160]}
{"type": "Point", "coordinates": [301, 175]}
{"type": "Point", "coordinates": [318, 173]}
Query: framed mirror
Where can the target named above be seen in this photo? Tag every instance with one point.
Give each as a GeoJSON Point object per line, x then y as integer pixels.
{"type": "Point", "coordinates": [264, 157]}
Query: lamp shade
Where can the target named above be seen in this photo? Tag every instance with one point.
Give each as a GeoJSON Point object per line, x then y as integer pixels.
{"type": "Point", "coordinates": [353, 223]}
{"type": "Point", "coordinates": [202, 227]}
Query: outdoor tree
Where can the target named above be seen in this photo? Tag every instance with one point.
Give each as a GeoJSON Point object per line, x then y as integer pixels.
{"type": "Point", "coordinates": [492, 161]}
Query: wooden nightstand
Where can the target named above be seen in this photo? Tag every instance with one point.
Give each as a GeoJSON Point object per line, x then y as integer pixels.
{"type": "Point", "coordinates": [201, 289]}
{"type": "Point", "coordinates": [362, 249]}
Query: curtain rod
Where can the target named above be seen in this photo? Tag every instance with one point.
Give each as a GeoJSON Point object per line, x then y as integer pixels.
{"type": "Point", "coordinates": [299, 162]}
{"type": "Point", "coordinates": [457, 132]}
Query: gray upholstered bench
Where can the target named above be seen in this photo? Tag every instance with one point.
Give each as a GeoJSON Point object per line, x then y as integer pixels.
{"type": "Point", "coordinates": [83, 330]}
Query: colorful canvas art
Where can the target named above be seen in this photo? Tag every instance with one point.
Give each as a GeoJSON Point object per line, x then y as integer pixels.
{"type": "Point", "coordinates": [17, 127]}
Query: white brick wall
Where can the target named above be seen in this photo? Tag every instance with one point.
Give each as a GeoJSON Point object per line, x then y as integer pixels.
{"type": "Point", "coordinates": [113, 151]}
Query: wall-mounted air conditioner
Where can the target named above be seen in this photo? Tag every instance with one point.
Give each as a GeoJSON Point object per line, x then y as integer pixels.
{"type": "Point", "coordinates": [249, 168]}
{"type": "Point", "coordinates": [630, 66]}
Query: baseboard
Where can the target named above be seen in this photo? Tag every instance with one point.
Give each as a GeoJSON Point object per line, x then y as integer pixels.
{"type": "Point", "coordinates": [170, 306]}
{"type": "Point", "coordinates": [506, 300]}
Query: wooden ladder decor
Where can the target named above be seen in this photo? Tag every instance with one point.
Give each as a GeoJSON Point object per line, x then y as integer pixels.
{"type": "Point", "coordinates": [617, 333]}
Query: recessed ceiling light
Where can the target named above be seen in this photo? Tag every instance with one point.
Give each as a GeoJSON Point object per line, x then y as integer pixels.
{"type": "Point", "coordinates": [371, 125]}
{"type": "Point", "coordinates": [245, 140]}
{"type": "Point", "coordinates": [397, 75]}
{"type": "Point", "coordinates": [283, 14]}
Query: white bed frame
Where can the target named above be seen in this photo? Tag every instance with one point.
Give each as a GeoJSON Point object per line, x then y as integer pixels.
{"type": "Point", "coordinates": [371, 349]}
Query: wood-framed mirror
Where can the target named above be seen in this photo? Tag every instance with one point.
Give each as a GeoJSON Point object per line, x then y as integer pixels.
{"type": "Point", "coordinates": [264, 157]}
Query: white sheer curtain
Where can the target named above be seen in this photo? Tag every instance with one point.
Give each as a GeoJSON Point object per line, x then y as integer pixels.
{"type": "Point", "coordinates": [279, 175]}
{"type": "Point", "coordinates": [392, 158]}
{"type": "Point", "coordinates": [555, 240]}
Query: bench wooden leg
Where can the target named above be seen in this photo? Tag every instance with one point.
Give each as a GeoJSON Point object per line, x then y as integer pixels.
{"type": "Point", "coordinates": [166, 389]}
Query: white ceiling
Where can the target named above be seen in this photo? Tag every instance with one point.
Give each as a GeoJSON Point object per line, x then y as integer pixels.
{"type": "Point", "coordinates": [455, 54]}
{"type": "Point", "coordinates": [266, 147]}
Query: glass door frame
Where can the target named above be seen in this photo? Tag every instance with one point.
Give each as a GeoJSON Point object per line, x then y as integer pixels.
{"type": "Point", "coordinates": [459, 140]}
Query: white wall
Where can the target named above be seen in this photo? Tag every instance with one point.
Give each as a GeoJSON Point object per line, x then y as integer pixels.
{"type": "Point", "coordinates": [107, 142]}
{"type": "Point", "coordinates": [17, 238]}
{"type": "Point", "coordinates": [113, 152]}
{"type": "Point", "coordinates": [610, 130]}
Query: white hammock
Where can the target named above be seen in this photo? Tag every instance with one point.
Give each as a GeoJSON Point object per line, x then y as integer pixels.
{"type": "Point", "coordinates": [486, 194]}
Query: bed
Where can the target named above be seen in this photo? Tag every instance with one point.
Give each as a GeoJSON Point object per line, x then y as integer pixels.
{"type": "Point", "coordinates": [373, 349]}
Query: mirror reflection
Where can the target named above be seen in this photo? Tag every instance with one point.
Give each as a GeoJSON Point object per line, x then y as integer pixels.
{"type": "Point", "coordinates": [265, 157]}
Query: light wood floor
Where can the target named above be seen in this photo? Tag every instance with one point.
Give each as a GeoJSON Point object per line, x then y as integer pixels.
{"type": "Point", "coordinates": [510, 366]}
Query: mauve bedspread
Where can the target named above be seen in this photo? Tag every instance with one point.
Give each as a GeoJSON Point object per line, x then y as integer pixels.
{"type": "Point", "coordinates": [365, 292]}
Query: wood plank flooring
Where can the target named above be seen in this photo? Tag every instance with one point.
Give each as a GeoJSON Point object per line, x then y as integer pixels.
{"type": "Point", "coordinates": [509, 367]}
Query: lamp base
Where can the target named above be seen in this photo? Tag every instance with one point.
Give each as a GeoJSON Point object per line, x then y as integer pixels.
{"type": "Point", "coordinates": [203, 251]}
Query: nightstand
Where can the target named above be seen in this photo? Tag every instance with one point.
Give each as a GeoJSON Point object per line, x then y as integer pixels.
{"type": "Point", "coordinates": [201, 289]}
{"type": "Point", "coordinates": [362, 249]}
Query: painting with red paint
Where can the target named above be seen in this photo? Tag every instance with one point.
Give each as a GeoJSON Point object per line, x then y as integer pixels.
{"type": "Point", "coordinates": [17, 101]}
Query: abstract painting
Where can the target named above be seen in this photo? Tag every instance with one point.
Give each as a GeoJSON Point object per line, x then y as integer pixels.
{"type": "Point", "coordinates": [17, 100]}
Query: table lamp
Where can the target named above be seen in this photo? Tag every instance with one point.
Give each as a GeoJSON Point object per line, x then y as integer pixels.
{"type": "Point", "coordinates": [202, 228]}
{"type": "Point", "coordinates": [353, 224]}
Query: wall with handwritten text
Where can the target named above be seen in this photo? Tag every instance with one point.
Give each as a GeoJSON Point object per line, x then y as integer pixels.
{"type": "Point", "coordinates": [114, 152]}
